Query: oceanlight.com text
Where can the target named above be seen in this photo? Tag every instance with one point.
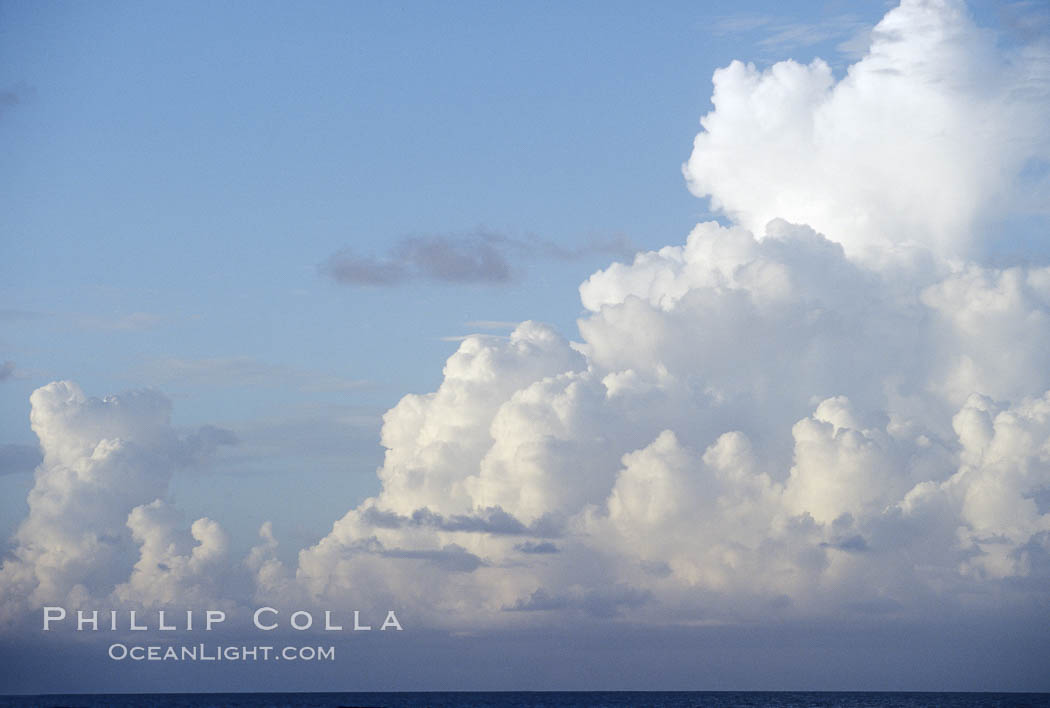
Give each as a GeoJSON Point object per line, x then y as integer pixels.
{"type": "Point", "coordinates": [205, 652]}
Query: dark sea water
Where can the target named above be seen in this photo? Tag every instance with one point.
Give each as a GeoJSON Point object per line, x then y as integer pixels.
{"type": "Point", "coordinates": [527, 699]}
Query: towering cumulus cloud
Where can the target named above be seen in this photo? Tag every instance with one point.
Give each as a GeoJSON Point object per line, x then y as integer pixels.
{"type": "Point", "coordinates": [823, 408]}
{"type": "Point", "coordinates": [921, 141]}
{"type": "Point", "coordinates": [99, 492]}
{"type": "Point", "coordinates": [820, 410]}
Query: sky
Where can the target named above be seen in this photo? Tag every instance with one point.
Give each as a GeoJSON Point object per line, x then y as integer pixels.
{"type": "Point", "coordinates": [586, 335]}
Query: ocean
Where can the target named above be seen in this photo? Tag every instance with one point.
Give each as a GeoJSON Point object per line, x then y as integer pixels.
{"type": "Point", "coordinates": [530, 699]}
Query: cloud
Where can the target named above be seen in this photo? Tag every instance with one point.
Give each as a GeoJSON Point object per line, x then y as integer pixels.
{"type": "Point", "coordinates": [909, 147]}
{"type": "Point", "coordinates": [807, 34]}
{"type": "Point", "coordinates": [779, 35]}
{"type": "Point", "coordinates": [492, 520]}
{"type": "Point", "coordinates": [164, 576]}
{"type": "Point", "coordinates": [470, 259]}
{"type": "Point", "coordinates": [102, 460]}
{"type": "Point", "coordinates": [532, 547]}
{"type": "Point", "coordinates": [778, 417]}
{"type": "Point", "coordinates": [740, 22]}
{"type": "Point", "coordinates": [481, 257]}
{"type": "Point", "coordinates": [819, 413]}
{"type": "Point", "coordinates": [347, 267]}
{"type": "Point", "coordinates": [200, 445]}
{"type": "Point", "coordinates": [452, 558]}
{"type": "Point", "coordinates": [476, 259]}
{"type": "Point", "coordinates": [7, 370]}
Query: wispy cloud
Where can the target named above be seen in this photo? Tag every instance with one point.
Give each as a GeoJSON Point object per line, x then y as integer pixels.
{"type": "Point", "coordinates": [743, 22]}
{"type": "Point", "coordinates": [237, 371]}
{"type": "Point", "coordinates": [461, 337]}
{"type": "Point", "coordinates": [7, 370]}
{"type": "Point", "coordinates": [781, 34]}
{"type": "Point", "coordinates": [480, 257]}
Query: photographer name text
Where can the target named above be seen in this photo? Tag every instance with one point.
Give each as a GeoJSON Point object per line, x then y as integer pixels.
{"type": "Point", "coordinates": [265, 619]}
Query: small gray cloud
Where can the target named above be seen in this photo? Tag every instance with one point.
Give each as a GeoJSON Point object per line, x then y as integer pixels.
{"type": "Point", "coordinates": [451, 557]}
{"type": "Point", "coordinates": [539, 548]}
{"type": "Point", "coordinates": [853, 544]}
{"type": "Point", "coordinates": [658, 569]}
{"type": "Point", "coordinates": [492, 520]}
{"type": "Point", "coordinates": [480, 257]}
{"type": "Point", "coordinates": [15, 96]}
{"type": "Point", "coordinates": [469, 259]}
{"type": "Point", "coordinates": [472, 259]}
{"type": "Point", "coordinates": [347, 267]}
{"type": "Point", "coordinates": [7, 370]}
{"type": "Point", "coordinates": [201, 444]}
{"type": "Point", "coordinates": [600, 602]}
{"type": "Point", "coordinates": [16, 458]}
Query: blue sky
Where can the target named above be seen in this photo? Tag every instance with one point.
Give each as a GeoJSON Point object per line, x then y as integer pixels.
{"type": "Point", "coordinates": [287, 217]}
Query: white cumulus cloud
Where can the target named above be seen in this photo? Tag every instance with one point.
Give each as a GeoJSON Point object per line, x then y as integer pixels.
{"type": "Point", "coordinates": [97, 494]}
{"type": "Point", "coordinates": [922, 139]}
{"type": "Point", "coordinates": [822, 410]}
